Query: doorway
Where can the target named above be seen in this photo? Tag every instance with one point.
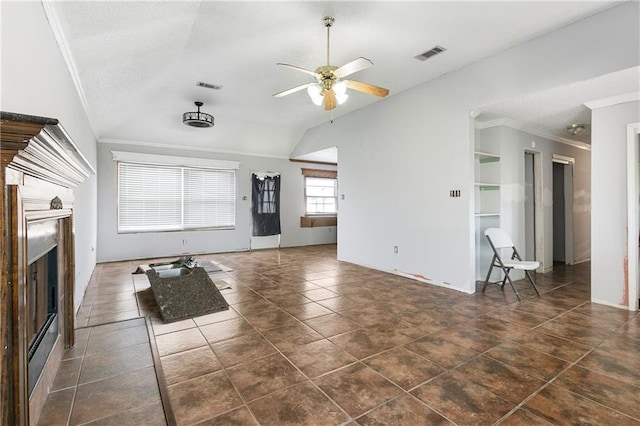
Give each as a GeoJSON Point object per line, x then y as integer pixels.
{"type": "Point", "coordinates": [265, 210]}
{"type": "Point", "coordinates": [529, 206]}
{"type": "Point", "coordinates": [533, 208]}
{"type": "Point", "coordinates": [563, 210]}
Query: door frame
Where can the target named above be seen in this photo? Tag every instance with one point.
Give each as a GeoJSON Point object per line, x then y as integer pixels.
{"type": "Point", "coordinates": [261, 243]}
{"type": "Point", "coordinates": [569, 173]}
{"type": "Point", "coordinates": [538, 209]}
{"type": "Point", "coordinates": [633, 213]}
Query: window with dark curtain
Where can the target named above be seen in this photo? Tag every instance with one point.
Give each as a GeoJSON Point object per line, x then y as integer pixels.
{"type": "Point", "coordinates": [265, 205]}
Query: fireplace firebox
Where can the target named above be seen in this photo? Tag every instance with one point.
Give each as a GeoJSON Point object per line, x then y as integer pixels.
{"type": "Point", "coordinates": [42, 295]}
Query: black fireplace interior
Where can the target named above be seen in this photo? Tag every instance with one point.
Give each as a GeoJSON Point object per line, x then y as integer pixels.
{"type": "Point", "coordinates": [42, 296]}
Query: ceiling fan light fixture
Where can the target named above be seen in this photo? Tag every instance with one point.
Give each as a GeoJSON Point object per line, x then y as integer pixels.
{"type": "Point", "coordinates": [315, 93]}
{"type": "Point", "coordinates": [576, 129]}
{"type": "Point", "coordinates": [197, 118]}
{"type": "Point", "coordinates": [340, 89]}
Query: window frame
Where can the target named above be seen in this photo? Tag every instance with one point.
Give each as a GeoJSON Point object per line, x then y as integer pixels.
{"type": "Point", "coordinates": [310, 220]}
{"type": "Point", "coordinates": [306, 196]}
{"type": "Point", "coordinates": [182, 200]}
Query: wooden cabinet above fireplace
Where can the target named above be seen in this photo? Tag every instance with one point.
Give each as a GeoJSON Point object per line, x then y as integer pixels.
{"type": "Point", "coordinates": [39, 167]}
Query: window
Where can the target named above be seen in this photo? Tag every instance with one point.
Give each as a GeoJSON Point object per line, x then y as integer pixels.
{"type": "Point", "coordinates": [174, 198]}
{"type": "Point", "coordinates": [320, 196]}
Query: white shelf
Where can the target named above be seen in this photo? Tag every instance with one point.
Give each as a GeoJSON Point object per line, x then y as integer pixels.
{"type": "Point", "coordinates": [486, 186]}
{"type": "Point", "coordinates": [487, 178]}
{"type": "Point", "coordinates": [486, 157]}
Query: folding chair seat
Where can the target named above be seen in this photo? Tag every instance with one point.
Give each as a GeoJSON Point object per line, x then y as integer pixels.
{"type": "Point", "coordinates": [498, 240]}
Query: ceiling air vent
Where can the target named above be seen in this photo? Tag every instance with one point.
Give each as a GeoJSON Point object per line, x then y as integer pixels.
{"type": "Point", "coordinates": [429, 53]}
{"type": "Point", "coordinates": [208, 86]}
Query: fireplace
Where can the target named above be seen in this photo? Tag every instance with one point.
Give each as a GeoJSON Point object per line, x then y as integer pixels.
{"type": "Point", "coordinates": [39, 167]}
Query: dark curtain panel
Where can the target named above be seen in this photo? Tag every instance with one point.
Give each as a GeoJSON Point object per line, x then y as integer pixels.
{"type": "Point", "coordinates": [266, 205]}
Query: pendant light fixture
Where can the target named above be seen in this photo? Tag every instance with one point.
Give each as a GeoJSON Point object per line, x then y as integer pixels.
{"type": "Point", "coordinates": [197, 119]}
{"type": "Point", "coordinates": [576, 129]}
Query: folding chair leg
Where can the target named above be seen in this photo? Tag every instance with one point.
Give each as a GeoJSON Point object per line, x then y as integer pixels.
{"type": "Point", "coordinates": [504, 280]}
{"type": "Point", "coordinates": [512, 286]}
{"type": "Point", "coordinates": [486, 280]}
{"type": "Point", "coordinates": [532, 282]}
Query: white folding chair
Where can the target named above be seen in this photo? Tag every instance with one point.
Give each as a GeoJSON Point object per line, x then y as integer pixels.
{"type": "Point", "coordinates": [499, 239]}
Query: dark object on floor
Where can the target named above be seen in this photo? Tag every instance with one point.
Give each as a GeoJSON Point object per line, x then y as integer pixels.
{"type": "Point", "coordinates": [185, 261]}
{"type": "Point", "coordinates": [183, 293]}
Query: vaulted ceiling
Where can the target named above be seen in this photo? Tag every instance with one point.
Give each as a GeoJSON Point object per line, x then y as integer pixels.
{"type": "Point", "coordinates": [137, 63]}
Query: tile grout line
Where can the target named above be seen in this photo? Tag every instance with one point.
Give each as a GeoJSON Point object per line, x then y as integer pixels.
{"type": "Point", "coordinates": [160, 379]}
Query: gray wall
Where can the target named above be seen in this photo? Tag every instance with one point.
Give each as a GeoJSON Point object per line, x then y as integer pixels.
{"type": "Point", "coordinates": [609, 197]}
{"type": "Point", "coordinates": [113, 246]}
{"type": "Point", "coordinates": [401, 157]}
{"type": "Point", "coordinates": [35, 80]}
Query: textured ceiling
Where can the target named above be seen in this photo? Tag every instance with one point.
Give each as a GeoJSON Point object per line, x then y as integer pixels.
{"type": "Point", "coordinates": [552, 111]}
{"type": "Point", "coordinates": [138, 62]}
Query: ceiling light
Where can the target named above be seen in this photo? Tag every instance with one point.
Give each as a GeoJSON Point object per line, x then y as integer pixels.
{"type": "Point", "coordinates": [340, 89]}
{"type": "Point", "coordinates": [576, 129]}
{"type": "Point", "coordinates": [315, 93]}
{"type": "Point", "coordinates": [197, 119]}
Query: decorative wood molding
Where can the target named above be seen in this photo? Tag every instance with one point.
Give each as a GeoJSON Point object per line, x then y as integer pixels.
{"type": "Point", "coordinates": [332, 174]}
{"type": "Point", "coordinates": [294, 160]}
{"type": "Point", "coordinates": [41, 147]}
{"type": "Point", "coordinates": [317, 221]}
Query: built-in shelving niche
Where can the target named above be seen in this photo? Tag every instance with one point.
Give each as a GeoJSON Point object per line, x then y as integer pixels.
{"type": "Point", "coordinates": [486, 205]}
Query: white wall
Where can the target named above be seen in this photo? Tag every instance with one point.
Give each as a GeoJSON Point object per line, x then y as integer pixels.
{"type": "Point", "coordinates": [511, 145]}
{"type": "Point", "coordinates": [400, 157]}
{"type": "Point", "coordinates": [609, 201]}
{"type": "Point", "coordinates": [35, 80]}
{"type": "Point", "coordinates": [113, 246]}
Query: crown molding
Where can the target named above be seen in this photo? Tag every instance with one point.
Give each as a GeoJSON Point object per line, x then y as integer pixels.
{"type": "Point", "coordinates": [187, 148]}
{"type": "Point", "coordinates": [507, 122]}
{"type": "Point", "coordinates": [613, 100]}
{"type": "Point", "coordinates": [65, 51]}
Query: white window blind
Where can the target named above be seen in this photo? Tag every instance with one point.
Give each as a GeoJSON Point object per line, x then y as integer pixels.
{"type": "Point", "coordinates": [210, 198]}
{"type": "Point", "coordinates": [168, 198]}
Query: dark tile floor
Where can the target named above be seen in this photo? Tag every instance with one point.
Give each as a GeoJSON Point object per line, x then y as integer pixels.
{"type": "Point", "coordinates": [310, 340]}
{"type": "Point", "coordinates": [107, 378]}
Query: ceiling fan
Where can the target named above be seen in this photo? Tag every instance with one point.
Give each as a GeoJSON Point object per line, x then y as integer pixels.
{"type": "Point", "coordinates": [330, 88]}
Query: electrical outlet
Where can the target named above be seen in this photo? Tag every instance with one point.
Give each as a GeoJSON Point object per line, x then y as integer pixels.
{"type": "Point", "coordinates": [455, 193]}
{"type": "Point", "coordinates": [395, 249]}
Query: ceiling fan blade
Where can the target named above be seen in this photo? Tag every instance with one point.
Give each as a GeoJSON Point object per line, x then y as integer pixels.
{"type": "Point", "coordinates": [353, 66]}
{"type": "Point", "coordinates": [329, 100]}
{"type": "Point", "coordinates": [292, 90]}
{"type": "Point", "coordinates": [304, 70]}
{"type": "Point", "coordinates": [367, 88]}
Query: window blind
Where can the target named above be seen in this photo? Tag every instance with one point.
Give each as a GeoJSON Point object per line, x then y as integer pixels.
{"type": "Point", "coordinates": [210, 197]}
{"type": "Point", "coordinates": [167, 198]}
